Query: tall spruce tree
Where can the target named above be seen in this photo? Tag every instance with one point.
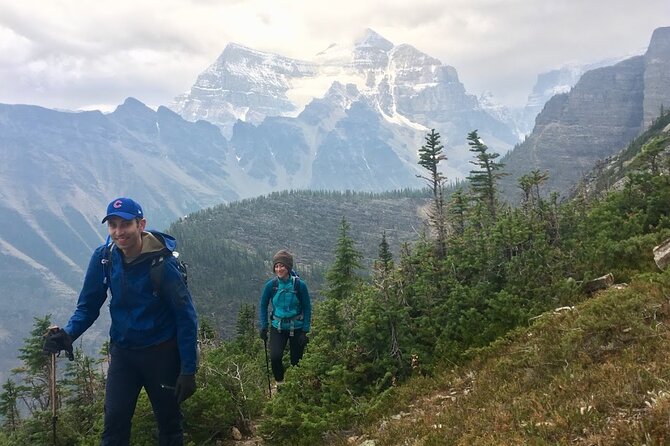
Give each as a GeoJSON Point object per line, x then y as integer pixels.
{"type": "Point", "coordinates": [342, 278]}
{"type": "Point", "coordinates": [430, 156]}
{"type": "Point", "coordinates": [391, 304]}
{"type": "Point", "coordinates": [530, 186]}
{"type": "Point", "coordinates": [483, 180]}
{"type": "Point", "coordinates": [35, 368]}
{"type": "Point", "coordinates": [9, 407]}
{"type": "Point", "coordinates": [384, 263]}
{"type": "Point", "coordinates": [458, 206]}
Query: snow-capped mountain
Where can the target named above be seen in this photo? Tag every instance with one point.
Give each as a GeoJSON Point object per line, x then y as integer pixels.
{"type": "Point", "coordinates": [256, 97]}
{"type": "Point", "coordinates": [243, 84]}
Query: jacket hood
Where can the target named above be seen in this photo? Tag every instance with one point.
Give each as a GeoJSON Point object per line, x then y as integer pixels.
{"type": "Point", "coordinates": [168, 241]}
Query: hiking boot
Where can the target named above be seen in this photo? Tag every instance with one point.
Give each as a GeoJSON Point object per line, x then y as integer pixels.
{"type": "Point", "coordinates": [276, 387]}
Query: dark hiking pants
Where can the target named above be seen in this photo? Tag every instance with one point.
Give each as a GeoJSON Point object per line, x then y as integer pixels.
{"type": "Point", "coordinates": [129, 371]}
{"type": "Point", "coordinates": [278, 343]}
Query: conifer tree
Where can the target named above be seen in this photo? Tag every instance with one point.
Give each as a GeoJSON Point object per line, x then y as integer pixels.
{"type": "Point", "coordinates": [341, 277]}
{"type": "Point", "coordinates": [483, 180]}
{"type": "Point", "coordinates": [207, 334]}
{"type": "Point", "coordinates": [384, 263]}
{"type": "Point", "coordinates": [530, 185]}
{"type": "Point", "coordinates": [246, 318]}
{"type": "Point", "coordinates": [246, 329]}
{"type": "Point", "coordinates": [650, 155]}
{"type": "Point", "coordinates": [35, 368]}
{"type": "Point", "coordinates": [81, 396]}
{"type": "Point", "coordinates": [458, 207]}
{"type": "Point", "coordinates": [9, 408]}
{"type": "Point", "coordinates": [383, 274]}
{"type": "Point", "coordinates": [430, 156]}
{"type": "Point", "coordinates": [84, 382]}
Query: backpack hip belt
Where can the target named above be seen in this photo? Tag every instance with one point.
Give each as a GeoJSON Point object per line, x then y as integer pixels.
{"type": "Point", "coordinates": [289, 320]}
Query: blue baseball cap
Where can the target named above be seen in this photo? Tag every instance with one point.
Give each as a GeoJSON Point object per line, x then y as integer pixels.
{"type": "Point", "coordinates": [126, 208]}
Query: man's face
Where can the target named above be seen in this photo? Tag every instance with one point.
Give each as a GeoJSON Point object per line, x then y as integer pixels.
{"type": "Point", "coordinates": [126, 234]}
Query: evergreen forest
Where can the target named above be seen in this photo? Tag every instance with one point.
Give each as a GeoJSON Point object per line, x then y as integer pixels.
{"type": "Point", "coordinates": [441, 317]}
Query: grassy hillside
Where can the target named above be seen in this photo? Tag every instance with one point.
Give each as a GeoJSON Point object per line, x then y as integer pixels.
{"type": "Point", "coordinates": [597, 373]}
{"type": "Point", "coordinates": [229, 248]}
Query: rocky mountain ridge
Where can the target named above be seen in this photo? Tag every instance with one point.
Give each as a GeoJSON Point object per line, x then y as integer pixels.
{"type": "Point", "coordinates": [598, 117]}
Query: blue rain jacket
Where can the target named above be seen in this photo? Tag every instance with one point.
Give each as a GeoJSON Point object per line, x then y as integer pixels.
{"type": "Point", "coordinates": [139, 318]}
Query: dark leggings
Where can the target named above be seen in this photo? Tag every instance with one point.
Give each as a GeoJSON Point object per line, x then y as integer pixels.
{"type": "Point", "coordinates": [278, 343]}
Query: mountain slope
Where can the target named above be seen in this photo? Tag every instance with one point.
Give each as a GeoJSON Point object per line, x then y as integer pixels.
{"type": "Point", "coordinates": [228, 247]}
{"type": "Point", "coordinates": [592, 374]}
{"type": "Point", "coordinates": [605, 110]}
{"type": "Point", "coordinates": [58, 170]}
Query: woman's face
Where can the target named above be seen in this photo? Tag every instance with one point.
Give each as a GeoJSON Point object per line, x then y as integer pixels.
{"type": "Point", "coordinates": [281, 271]}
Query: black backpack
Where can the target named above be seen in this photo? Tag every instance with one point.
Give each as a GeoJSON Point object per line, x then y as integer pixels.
{"type": "Point", "coordinates": [155, 273]}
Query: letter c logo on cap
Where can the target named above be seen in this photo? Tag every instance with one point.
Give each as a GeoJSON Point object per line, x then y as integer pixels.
{"type": "Point", "coordinates": [117, 204]}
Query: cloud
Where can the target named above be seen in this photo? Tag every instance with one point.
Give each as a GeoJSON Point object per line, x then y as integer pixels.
{"type": "Point", "coordinates": [71, 53]}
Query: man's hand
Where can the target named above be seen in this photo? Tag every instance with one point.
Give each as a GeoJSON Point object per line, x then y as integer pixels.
{"type": "Point", "coordinates": [263, 334]}
{"type": "Point", "coordinates": [57, 340]}
{"type": "Point", "coordinates": [185, 387]}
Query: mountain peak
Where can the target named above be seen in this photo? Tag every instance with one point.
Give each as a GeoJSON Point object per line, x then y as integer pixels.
{"type": "Point", "coordinates": [661, 33]}
{"type": "Point", "coordinates": [132, 105]}
{"type": "Point", "coordinates": [368, 41]}
{"type": "Point", "coordinates": [371, 38]}
{"type": "Point", "coordinates": [660, 40]}
{"type": "Point", "coordinates": [235, 50]}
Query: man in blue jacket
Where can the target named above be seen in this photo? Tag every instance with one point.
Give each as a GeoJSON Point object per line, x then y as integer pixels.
{"type": "Point", "coordinates": [153, 331]}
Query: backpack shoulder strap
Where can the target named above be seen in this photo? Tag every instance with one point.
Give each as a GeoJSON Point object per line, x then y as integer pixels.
{"type": "Point", "coordinates": [156, 273]}
{"type": "Point", "coordinates": [158, 266]}
{"type": "Point", "coordinates": [107, 263]}
{"type": "Point", "coordinates": [275, 287]}
{"type": "Point", "coordinates": [296, 290]}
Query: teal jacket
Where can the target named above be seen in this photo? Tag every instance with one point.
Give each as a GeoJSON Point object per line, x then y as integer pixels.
{"type": "Point", "coordinates": [288, 308]}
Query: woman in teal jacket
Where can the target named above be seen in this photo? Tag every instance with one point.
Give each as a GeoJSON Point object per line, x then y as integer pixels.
{"type": "Point", "coordinates": [291, 314]}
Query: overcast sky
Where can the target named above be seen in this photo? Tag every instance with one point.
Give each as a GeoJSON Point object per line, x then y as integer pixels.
{"type": "Point", "coordinates": [83, 54]}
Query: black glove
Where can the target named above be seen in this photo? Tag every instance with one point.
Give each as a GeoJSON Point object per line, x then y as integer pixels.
{"type": "Point", "coordinates": [57, 340]}
{"type": "Point", "coordinates": [263, 334]}
{"type": "Point", "coordinates": [185, 387]}
{"type": "Point", "coordinates": [303, 339]}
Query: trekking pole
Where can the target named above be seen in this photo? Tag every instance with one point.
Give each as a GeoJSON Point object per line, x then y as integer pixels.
{"type": "Point", "coordinates": [267, 366]}
{"type": "Point", "coordinates": [54, 403]}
